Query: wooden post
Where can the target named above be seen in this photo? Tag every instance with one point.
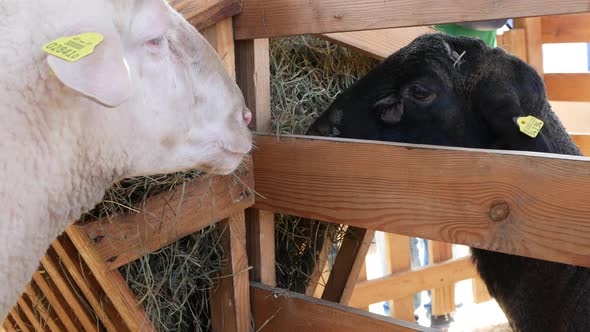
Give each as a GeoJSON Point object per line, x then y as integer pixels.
{"type": "Point", "coordinates": [534, 49]}
{"type": "Point", "coordinates": [253, 77]}
{"type": "Point", "coordinates": [321, 272]}
{"type": "Point", "coordinates": [480, 290]}
{"type": "Point", "coordinates": [230, 300]}
{"type": "Point", "coordinates": [443, 298]}
{"type": "Point", "coordinates": [398, 259]}
{"type": "Point", "coordinates": [514, 42]}
{"type": "Point", "coordinates": [350, 260]}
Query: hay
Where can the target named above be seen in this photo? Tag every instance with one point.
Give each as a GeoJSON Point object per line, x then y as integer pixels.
{"type": "Point", "coordinates": [173, 283]}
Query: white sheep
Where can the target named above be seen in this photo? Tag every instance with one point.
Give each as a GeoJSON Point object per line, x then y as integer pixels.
{"type": "Point", "coordinates": [153, 97]}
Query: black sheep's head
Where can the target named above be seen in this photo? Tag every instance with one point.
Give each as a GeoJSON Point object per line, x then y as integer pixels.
{"type": "Point", "coordinates": [445, 90]}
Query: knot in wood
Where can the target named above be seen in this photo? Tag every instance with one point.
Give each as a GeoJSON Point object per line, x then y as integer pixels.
{"type": "Point", "coordinates": [499, 211]}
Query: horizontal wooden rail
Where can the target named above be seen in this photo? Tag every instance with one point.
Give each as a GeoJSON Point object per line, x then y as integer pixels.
{"type": "Point", "coordinates": [203, 14]}
{"type": "Point", "coordinates": [568, 87]}
{"type": "Point", "coordinates": [378, 44]}
{"type": "Point", "coordinates": [407, 283]}
{"type": "Point", "coordinates": [566, 28]}
{"type": "Point", "coordinates": [170, 217]}
{"type": "Point", "coordinates": [272, 18]}
{"type": "Point", "coordinates": [280, 310]}
{"type": "Point", "coordinates": [444, 194]}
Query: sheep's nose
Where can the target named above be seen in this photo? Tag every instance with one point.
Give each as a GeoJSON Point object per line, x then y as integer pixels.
{"type": "Point", "coordinates": [247, 116]}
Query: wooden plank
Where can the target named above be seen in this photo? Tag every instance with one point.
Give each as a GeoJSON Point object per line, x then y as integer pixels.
{"type": "Point", "coordinates": [59, 278]}
{"type": "Point", "coordinates": [438, 193]}
{"type": "Point", "coordinates": [80, 273]}
{"type": "Point", "coordinates": [25, 305]}
{"type": "Point", "coordinates": [346, 268]}
{"type": "Point", "coordinates": [403, 284]}
{"type": "Point", "coordinates": [320, 270]}
{"type": "Point", "coordinates": [566, 28]}
{"type": "Point", "coordinates": [203, 14]}
{"type": "Point", "coordinates": [57, 302]}
{"type": "Point", "coordinates": [534, 48]}
{"type": "Point", "coordinates": [583, 142]}
{"type": "Point", "coordinates": [398, 259]}
{"type": "Point", "coordinates": [575, 116]}
{"type": "Point", "coordinates": [443, 298]}
{"type": "Point", "coordinates": [47, 315]}
{"type": "Point", "coordinates": [272, 18]}
{"type": "Point", "coordinates": [110, 281]}
{"type": "Point", "coordinates": [514, 42]}
{"type": "Point", "coordinates": [480, 291]}
{"type": "Point", "coordinates": [8, 325]}
{"type": "Point", "coordinates": [230, 300]}
{"type": "Point", "coordinates": [568, 87]}
{"type": "Point", "coordinates": [283, 311]}
{"type": "Point", "coordinates": [378, 44]}
{"type": "Point", "coordinates": [253, 78]}
{"type": "Point", "coordinates": [225, 46]}
{"type": "Point", "coordinates": [21, 323]}
{"type": "Point", "coordinates": [168, 217]}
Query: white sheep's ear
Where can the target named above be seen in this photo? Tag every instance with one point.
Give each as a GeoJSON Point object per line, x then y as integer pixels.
{"type": "Point", "coordinates": [102, 75]}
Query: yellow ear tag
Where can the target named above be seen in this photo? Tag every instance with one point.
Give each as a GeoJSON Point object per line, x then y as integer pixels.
{"type": "Point", "coordinates": [529, 125]}
{"type": "Point", "coordinates": [74, 48]}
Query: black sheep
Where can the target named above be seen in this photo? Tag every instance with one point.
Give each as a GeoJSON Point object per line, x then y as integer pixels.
{"type": "Point", "coordinates": [456, 91]}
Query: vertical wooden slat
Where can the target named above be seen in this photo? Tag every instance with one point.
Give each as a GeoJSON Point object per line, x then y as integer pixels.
{"type": "Point", "coordinates": [349, 261]}
{"type": "Point", "coordinates": [398, 259]}
{"type": "Point", "coordinates": [533, 32]}
{"type": "Point", "coordinates": [319, 270]}
{"type": "Point", "coordinates": [230, 300]}
{"type": "Point", "coordinates": [88, 285]}
{"type": "Point", "coordinates": [514, 42]}
{"type": "Point", "coordinates": [46, 315]}
{"type": "Point", "coordinates": [112, 283]}
{"type": "Point", "coordinates": [253, 78]}
{"type": "Point", "coordinates": [225, 46]}
{"type": "Point", "coordinates": [21, 323]}
{"type": "Point", "coordinates": [480, 291]}
{"type": "Point", "coordinates": [57, 302]}
{"type": "Point", "coordinates": [25, 304]}
{"type": "Point", "coordinates": [443, 299]}
{"type": "Point", "coordinates": [85, 317]}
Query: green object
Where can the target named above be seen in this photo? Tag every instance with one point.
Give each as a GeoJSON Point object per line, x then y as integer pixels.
{"type": "Point", "coordinates": [489, 37]}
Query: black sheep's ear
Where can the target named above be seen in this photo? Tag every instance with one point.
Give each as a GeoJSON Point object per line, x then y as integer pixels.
{"type": "Point", "coordinates": [499, 104]}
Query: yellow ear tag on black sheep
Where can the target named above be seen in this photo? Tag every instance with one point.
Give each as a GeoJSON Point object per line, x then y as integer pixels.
{"type": "Point", "coordinates": [529, 125]}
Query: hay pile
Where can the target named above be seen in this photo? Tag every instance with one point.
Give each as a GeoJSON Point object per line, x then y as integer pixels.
{"type": "Point", "coordinates": [173, 283]}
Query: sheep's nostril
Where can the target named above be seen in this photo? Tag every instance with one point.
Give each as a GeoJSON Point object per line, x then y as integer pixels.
{"type": "Point", "coordinates": [247, 115]}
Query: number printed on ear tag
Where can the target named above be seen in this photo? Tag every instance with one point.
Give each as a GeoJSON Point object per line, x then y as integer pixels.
{"type": "Point", "coordinates": [529, 125]}
{"type": "Point", "coordinates": [74, 48]}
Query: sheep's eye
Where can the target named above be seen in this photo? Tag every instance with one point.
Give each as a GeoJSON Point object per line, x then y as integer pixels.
{"type": "Point", "coordinates": [156, 42]}
{"type": "Point", "coordinates": [420, 93]}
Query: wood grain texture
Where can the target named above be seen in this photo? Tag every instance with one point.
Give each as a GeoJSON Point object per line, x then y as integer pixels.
{"type": "Point", "coordinates": [225, 45]}
{"type": "Point", "coordinates": [81, 275]}
{"type": "Point", "coordinates": [57, 302]}
{"type": "Point", "coordinates": [168, 217]}
{"type": "Point", "coordinates": [398, 259]}
{"type": "Point", "coordinates": [69, 291]}
{"type": "Point", "coordinates": [271, 18]}
{"type": "Point", "coordinates": [568, 87]}
{"type": "Point", "coordinates": [403, 284]}
{"type": "Point", "coordinates": [283, 311]}
{"type": "Point", "coordinates": [572, 28]}
{"type": "Point", "coordinates": [534, 49]}
{"type": "Point", "coordinates": [378, 44]}
{"type": "Point", "coordinates": [21, 322]}
{"type": "Point", "coordinates": [111, 282]}
{"type": "Point", "coordinates": [260, 228]}
{"type": "Point", "coordinates": [443, 298]}
{"type": "Point", "coordinates": [442, 194]}
{"type": "Point", "coordinates": [46, 315]}
{"type": "Point", "coordinates": [230, 299]}
{"type": "Point", "coordinates": [347, 266]}
{"type": "Point", "coordinates": [205, 13]}
{"type": "Point", "coordinates": [25, 305]}
{"type": "Point", "coordinates": [514, 42]}
{"type": "Point", "coordinates": [320, 268]}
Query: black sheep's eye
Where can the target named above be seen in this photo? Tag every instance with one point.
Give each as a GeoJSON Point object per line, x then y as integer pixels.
{"type": "Point", "coordinates": [420, 93]}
